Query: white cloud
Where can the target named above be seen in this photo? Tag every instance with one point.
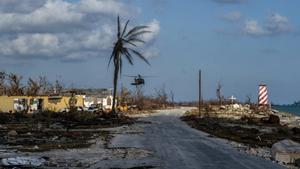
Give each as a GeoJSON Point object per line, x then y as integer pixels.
{"type": "Point", "coordinates": [277, 23]}
{"type": "Point", "coordinates": [151, 52]}
{"type": "Point", "coordinates": [253, 28]}
{"type": "Point", "coordinates": [104, 6]}
{"type": "Point", "coordinates": [154, 28]}
{"type": "Point", "coordinates": [31, 44]}
{"type": "Point", "coordinates": [274, 25]}
{"type": "Point", "coordinates": [61, 29]}
{"type": "Point", "coordinates": [20, 6]}
{"type": "Point", "coordinates": [232, 16]}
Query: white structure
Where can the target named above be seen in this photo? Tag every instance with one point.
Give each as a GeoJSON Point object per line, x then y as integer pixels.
{"type": "Point", "coordinates": [286, 151]}
{"type": "Point", "coordinates": [105, 102]}
{"type": "Point", "coordinates": [232, 99]}
{"type": "Point", "coordinates": [263, 95]}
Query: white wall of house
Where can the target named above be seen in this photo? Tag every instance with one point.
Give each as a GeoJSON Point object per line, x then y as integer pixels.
{"type": "Point", "coordinates": [105, 102]}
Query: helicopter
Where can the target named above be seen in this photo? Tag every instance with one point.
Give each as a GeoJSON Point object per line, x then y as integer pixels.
{"type": "Point", "coordinates": [138, 80]}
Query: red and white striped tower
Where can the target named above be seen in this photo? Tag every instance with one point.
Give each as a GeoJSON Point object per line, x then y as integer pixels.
{"type": "Point", "coordinates": [263, 96]}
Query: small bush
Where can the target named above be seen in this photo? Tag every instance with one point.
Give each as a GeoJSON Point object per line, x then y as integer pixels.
{"type": "Point", "coordinates": [5, 117]}
{"type": "Point", "coordinates": [20, 116]}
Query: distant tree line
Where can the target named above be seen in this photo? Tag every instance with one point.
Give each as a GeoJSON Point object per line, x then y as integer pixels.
{"type": "Point", "coordinates": [160, 98]}
{"type": "Point", "coordinates": [12, 84]}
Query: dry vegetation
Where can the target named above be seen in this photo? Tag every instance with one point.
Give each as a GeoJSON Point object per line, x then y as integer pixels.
{"type": "Point", "coordinates": [250, 130]}
{"type": "Point", "coordinates": [12, 84]}
{"type": "Point", "coordinates": [49, 130]}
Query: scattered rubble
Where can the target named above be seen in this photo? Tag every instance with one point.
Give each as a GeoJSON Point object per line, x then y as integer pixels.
{"type": "Point", "coordinates": [266, 134]}
{"type": "Point", "coordinates": [64, 142]}
{"type": "Point", "coordinates": [12, 133]}
{"type": "Point", "coordinates": [56, 126]}
{"type": "Point", "coordinates": [28, 162]}
{"type": "Point", "coordinates": [263, 152]}
{"type": "Point", "coordinates": [286, 151]}
{"type": "Point", "coordinates": [2, 127]}
{"type": "Point", "coordinates": [38, 132]}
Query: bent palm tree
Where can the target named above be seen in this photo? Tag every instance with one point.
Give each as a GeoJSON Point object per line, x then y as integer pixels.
{"type": "Point", "coordinates": [125, 40]}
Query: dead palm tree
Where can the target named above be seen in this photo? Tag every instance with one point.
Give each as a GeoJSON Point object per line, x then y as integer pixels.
{"type": "Point", "coordinates": [122, 48]}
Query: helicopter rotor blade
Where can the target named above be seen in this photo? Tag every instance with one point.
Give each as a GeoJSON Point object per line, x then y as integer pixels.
{"type": "Point", "coordinates": [148, 76]}
{"type": "Point", "coordinates": [129, 76]}
{"type": "Point", "coordinates": [139, 76]}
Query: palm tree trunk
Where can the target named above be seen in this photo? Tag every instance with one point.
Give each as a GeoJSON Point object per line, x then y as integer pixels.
{"type": "Point", "coordinates": [116, 76]}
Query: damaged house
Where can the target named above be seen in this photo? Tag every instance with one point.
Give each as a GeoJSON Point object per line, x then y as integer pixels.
{"type": "Point", "coordinates": [85, 98]}
{"type": "Point", "coordinates": [101, 98]}
{"type": "Point", "coordinates": [30, 104]}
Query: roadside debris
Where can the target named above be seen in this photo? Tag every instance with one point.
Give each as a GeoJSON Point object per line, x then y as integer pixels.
{"type": "Point", "coordinates": [49, 130]}
{"type": "Point", "coordinates": [266, 134]}
{"type": "Point", "coordinates": [286, 151]}
{"type": "Point", "coordinates": [12, 133]}
{"type": "Point", "coordinates": [23, 162]}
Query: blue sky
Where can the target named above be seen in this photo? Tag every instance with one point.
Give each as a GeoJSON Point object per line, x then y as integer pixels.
{"type": "Point", "coordinates": [239, 43]}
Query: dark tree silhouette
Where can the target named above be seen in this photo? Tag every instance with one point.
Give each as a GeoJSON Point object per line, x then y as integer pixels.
{"type": "Point", "coordinates": [33, 87]}
{"type": "Point", "coordinates": [15, 86]}
{"type": "Point", "coordinates": [123, 48]}
{"type": "Point", "coordinates": [2, 83]}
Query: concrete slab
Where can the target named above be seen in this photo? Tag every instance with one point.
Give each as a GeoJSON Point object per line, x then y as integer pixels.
{"type": "Point", "coordinates": [286, 151]}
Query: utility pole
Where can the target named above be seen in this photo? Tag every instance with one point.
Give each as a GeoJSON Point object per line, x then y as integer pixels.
{"type": "Point", "coordinates": [200, 93]}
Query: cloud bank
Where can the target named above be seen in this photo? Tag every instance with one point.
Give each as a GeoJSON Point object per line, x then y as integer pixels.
{"type": "Point", "coordinates": [233, 16]}
{"type": "Point", "coordinates": [59, 29]}
{"type": "Point", "coordinates": [275, 24]}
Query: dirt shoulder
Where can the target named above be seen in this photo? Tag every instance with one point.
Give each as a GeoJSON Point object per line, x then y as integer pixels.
{"type": "Point", "coordinates": [250, 133]}
{"type": "Point", "coordinates": [243, 131]}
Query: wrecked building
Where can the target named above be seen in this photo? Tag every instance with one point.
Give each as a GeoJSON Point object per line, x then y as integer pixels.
{"type": "Point", "coordinates": [30, 104]}
{"type": "Point", "coordinates": [101, 97]}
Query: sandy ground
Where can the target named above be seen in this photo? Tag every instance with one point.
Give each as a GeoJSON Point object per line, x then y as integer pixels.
{"type": "Point", "coordinates": [160, 140]}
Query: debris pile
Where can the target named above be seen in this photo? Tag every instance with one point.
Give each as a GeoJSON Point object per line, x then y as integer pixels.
{"type": "Point", "coordinates": [268, 134]}
{"type": "Point", "coordinates": [286, 151]}
{"type": "Point", "coordinates": [234, 111]}
{"type": "Point", "coordinates": [28, 162]}
{"type": "Point", "coordinates": [49, 130]}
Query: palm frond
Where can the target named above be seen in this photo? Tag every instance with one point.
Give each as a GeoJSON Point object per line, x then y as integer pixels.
{"type": "Point", "coordinates": [136, 40]}
{"type": "Point", "coordinates": [128, 56]}
{"type": "Point", "coordinates": [134, 35]}
{"type": "Point", "coordinates": [111, 56]}
{"type": "Point", "coordinates": [119, 27]}
{"type": "Point", "coordinates": [139, 55]}
{"type": "Point", "coordinates": [127, 41]}
{"type": "Point", "coordinates": [135, 29]}
{"type": "Point", "coordinates": [124, 30]}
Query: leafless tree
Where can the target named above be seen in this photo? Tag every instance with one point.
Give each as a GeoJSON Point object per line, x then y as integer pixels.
{"type": "Point", "coordinates": [161, 96]}
{"type": "Point", "coordinates": [2, 83]}
{"type": "Point", "coordinates": [139, 99]}
{"type": "Point", "coordinates": [219, 93]}
{"type": "Point", "coordinates": [15, 86]}
{"type": "Point", "coordinates": [248, 99]}
{"type": "Point", "coordinates": [45, 85]}
{"type": "Point", "coordinates": [125, 95]}
{"type": "Point", "coordinates": [172, 97]}
{"type": "Point", "coordinates": [33, 87]}
{"type": "Point", "coordinates": [58, 87]}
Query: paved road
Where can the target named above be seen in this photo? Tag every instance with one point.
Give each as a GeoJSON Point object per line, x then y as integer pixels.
{"type": "Point", "coordinates": [176, 145]}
